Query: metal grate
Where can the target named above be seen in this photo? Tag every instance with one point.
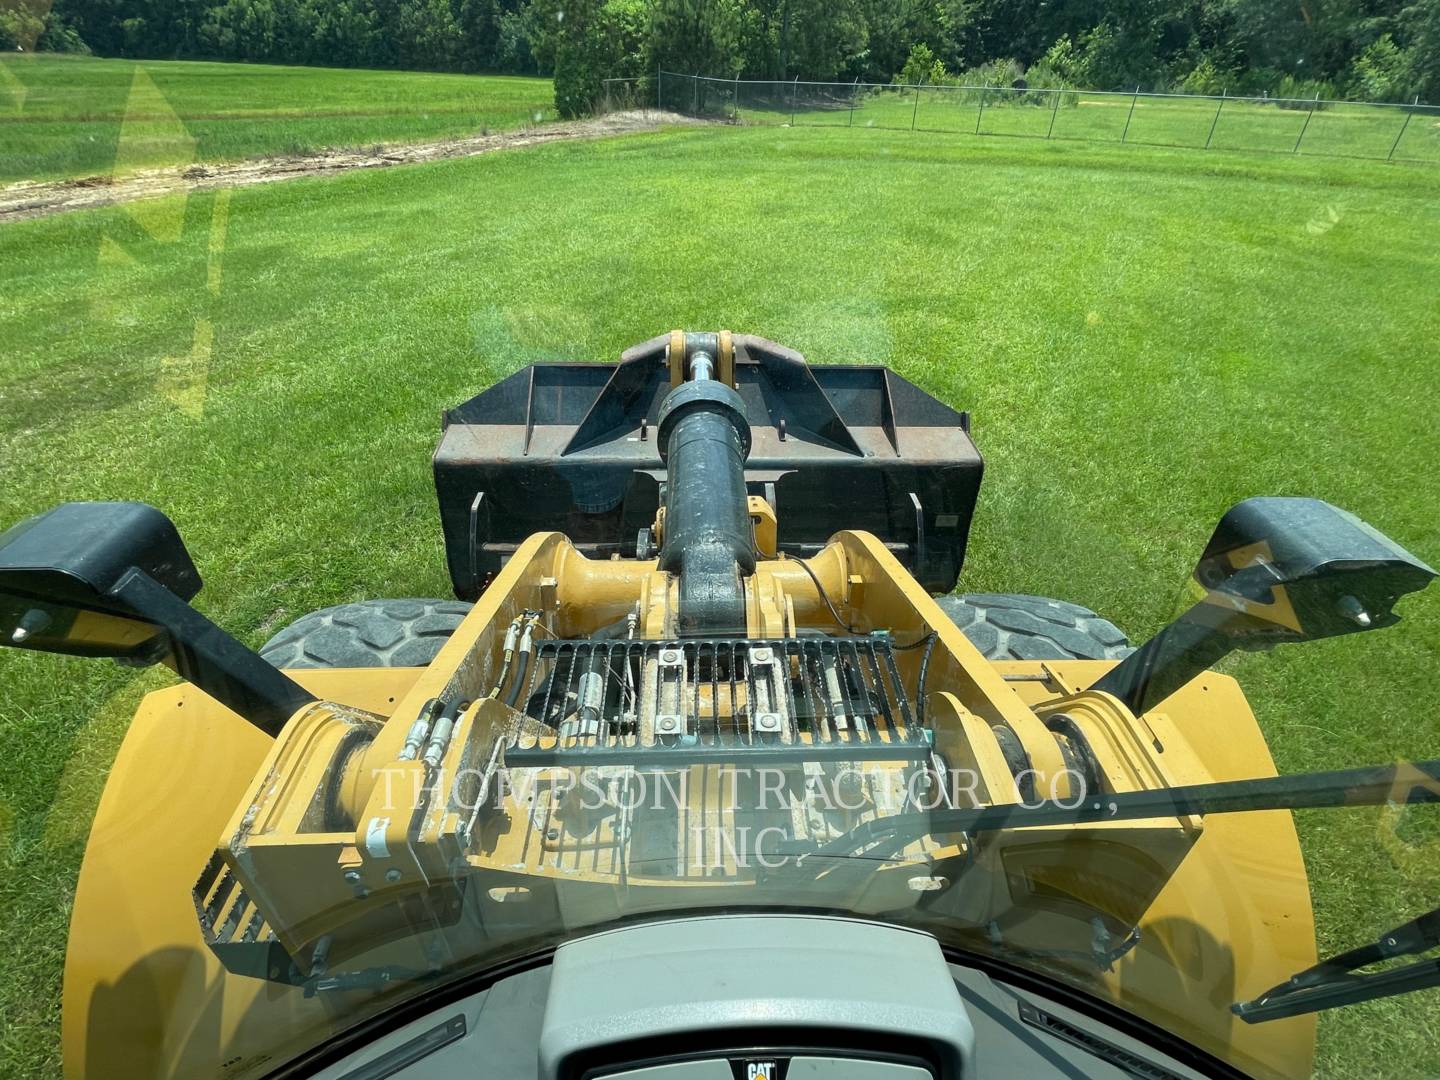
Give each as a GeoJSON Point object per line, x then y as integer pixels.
{"type": "Point", "coordinates": [235, 930]}
{"type": "Point", "coordinates": [711, 700]}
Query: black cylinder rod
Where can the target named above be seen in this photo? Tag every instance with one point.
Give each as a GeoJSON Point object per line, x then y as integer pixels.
{"type": "Point", "coordinates": [708, 541]}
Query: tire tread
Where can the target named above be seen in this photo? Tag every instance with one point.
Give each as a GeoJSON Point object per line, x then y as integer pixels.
{"type": "Point", "coordinates": [371, 633]}
{"type": "Point", "coordinates": [1011, 626]}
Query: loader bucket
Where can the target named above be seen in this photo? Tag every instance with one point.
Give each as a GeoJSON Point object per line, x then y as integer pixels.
{"type": "Point", "coordinates": [572, 447]}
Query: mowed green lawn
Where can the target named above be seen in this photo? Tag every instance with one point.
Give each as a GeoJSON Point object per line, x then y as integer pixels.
{"type": "Point", "coordinates": [64, 116]}
{"type": "Point", "coordinates": [1144, 338]}
{"type": "Point", "coordinates": [1336, 129]}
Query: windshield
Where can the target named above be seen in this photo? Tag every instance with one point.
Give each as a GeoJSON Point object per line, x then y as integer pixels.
{"type": "Point", "coordinates": [524, 614]}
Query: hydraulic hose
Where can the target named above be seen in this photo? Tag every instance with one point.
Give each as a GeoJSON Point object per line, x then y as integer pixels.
{"type": "Point", "coordinates": [526, 648]}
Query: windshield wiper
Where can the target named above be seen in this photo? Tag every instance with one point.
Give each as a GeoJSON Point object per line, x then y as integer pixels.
{"type": "Point", "coordinates": [1334, 982]}
{"type": "Point", "coordinates": [1376, 785]}
{"type": "Point", "coordinates": [1329, 984]}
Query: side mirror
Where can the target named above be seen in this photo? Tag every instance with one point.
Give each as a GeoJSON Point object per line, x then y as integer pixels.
{"type": "Point", "coordinates": [113, 579]}
{"type": "Point", "coordinates": [1301, 569]}
{"type": "Point", "coordinates": [1276, 570]}
{"type": "Point", "coordinates": [59, 574]}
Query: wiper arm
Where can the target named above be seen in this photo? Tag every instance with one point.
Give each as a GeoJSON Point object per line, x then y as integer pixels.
{"type": "Point", "coordinates": [1412, 782]}
{"type": "Point", "coordinates": [1332, 983]}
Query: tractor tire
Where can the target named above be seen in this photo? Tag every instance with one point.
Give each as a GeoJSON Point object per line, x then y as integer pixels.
{"type": "Point", "coordinates": [372, 633]}
{"type": "Point", "coordinates": [1006, 627]}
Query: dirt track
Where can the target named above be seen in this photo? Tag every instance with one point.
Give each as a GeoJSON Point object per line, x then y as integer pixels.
{"type": "Point", "coordinates": [38, 198]}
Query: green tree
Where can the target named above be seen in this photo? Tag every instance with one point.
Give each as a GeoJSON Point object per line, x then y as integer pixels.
{"type": "Point", "coordinates": [1422, 22]}
{"type": "Point", "coordinates": [515, 47]}
{"type": "Point", "coordinates": [922, 66]}
{"type": "Point", "coordinates": [1382, 72]}
{"type": "Point", "coordinates": [21, 25]}
{"type": "Point", "coordinates": [827, 39]}
{"type": "Point", "coordinates": [337, 32]}
{"type": "Point", "coordinates": [425, 35]}
{"type": "Point", "coordinates": [596, 40]}
{"type": "Point", "coordinates": [579, 65]}
{"type": "Point", "coordinates": [701, 36]}
{"type": "Point", "coordinates": [948, 28]}
{"type": "Point", "coordinates": [244, 30]}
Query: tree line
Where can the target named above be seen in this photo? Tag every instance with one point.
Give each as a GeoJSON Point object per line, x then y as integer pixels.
{"type": "Point", "coordinates": [1377, 50]}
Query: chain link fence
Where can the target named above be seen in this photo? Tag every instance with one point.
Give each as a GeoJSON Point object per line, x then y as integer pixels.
{"type": "Point", "coordinates": [1387, 132]}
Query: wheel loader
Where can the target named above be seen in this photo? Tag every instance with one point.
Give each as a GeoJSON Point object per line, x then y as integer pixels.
{"type": "Point", "coordinates": [704, 773]}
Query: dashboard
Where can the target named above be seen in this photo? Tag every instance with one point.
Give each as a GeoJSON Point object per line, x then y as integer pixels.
{"type": "Point", "coordinates": [753, 997]}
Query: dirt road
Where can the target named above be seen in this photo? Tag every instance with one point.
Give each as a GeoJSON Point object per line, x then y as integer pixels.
{"type": "Point", "coordinates": [38, 198]}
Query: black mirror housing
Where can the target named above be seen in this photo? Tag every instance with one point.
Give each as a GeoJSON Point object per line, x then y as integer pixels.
{"type": "Point", "coordinates": [1276, 570]}
{"type": "Point", "coordinates": [113, 579]}
{"type": "Point", "coordinates": [59, 572]}
{"type": "Point", "coordinates": [1304, 569]}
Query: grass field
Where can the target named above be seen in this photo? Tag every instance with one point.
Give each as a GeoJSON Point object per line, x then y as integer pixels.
{"type": "Point", "coordinates": [1144, 338]}
{"type": "Point", "coordinates": [1343, 129]}
{"type": "Point", "coordinates": [63, 116]}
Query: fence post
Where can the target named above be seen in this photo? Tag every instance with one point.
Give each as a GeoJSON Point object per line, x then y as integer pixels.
{"type": "Point", "coordinates": [915, 111]}
{"type": "Point", "coordinates": [794, 89]}
{"type": "Point", "coordinates": [695, 94]}
{"type": "Point", "coordinates": [1217, 117]}
{"type": "Point", "coordinates": [981, 113]}
{"type": "Point", "coordinates": [1054, 108]}
{"type": "Point", "coordinates": [854, 88]}
{"type": "Point", "coordinates": [1306, 126]}
{"type": "Point", "coordinates": [1131, 114]}
{"type": "Point", "coordinates": [1409, 113]}
{"type": "Point", "coordinates": [659, 104]}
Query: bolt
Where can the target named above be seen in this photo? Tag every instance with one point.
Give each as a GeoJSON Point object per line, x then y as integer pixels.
{"type": "Point", "coordinates": [760, 656]}
{"type": "Point", "coordinates": [552, 834]}
{"type": "Point", "coordinates": [667, 723]}
{"type": "Point", "coordinates": [669, 656]}
{"type": "Point", "coordinates": [32, 622]}
{"type": "Point", "coordinates": [1355, 611]}
{"type": "Point", "coordinates": [352, 877]}
{"type": "Point", "coordinates": [392, 875]}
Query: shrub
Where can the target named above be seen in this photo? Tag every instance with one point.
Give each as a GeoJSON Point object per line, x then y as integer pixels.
{"type": "Point", "coordinates": [596, 41]}
{"type": "Point", "coordinates": [1002, 72]}
{"type": "Point", "coordinates": [1207, 78]}
{"type": "Point", "coordinates": [1041, 76]}
{"type": "Point", "coordinates": [923, 66]}
{"type": "Point", "coordinates": [1293, 93]}
{"type": "Point", "coordinates": [1063, 59]}
{"type": "Point", "coordinates": [1381, 73]}
{"type": "Point", "coordinates": [60, 37]}
{"type": "Point", "coordinates": [19, 29]}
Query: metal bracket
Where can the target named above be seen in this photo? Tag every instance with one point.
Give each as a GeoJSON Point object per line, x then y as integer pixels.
{"type": "Point", "coordinates": [477, 535]}
{"type": "Point", "coordinates": [919, 533]}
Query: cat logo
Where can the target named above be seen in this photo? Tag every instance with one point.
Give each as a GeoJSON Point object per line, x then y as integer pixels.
{"type": "Point", "coordinates": [759, 1068]}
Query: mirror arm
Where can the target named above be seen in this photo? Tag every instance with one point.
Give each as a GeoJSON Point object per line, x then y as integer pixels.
{"type": "Point", "coordinates": [202, 653]}
{"type": "Point", "coordinates": [1182, 650]}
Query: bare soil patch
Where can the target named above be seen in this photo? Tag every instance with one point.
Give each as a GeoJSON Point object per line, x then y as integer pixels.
{"type": "Point", "coordinates": [39, 198]}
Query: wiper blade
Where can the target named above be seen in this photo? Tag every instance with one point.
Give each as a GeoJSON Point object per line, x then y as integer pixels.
{"type": "Point", "coordinates": [1333, 983]}
{"type": "Point", "coordinates": [1403, 782]}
